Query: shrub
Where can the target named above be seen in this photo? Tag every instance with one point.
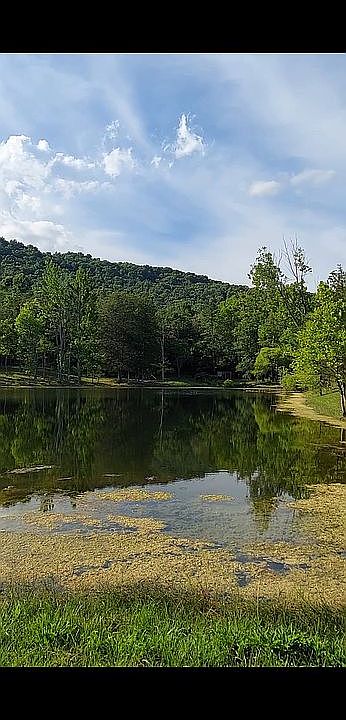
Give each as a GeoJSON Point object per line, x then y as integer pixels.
{"type": "Point", "coordinates": [227, 383]}
{"type": "Point", "coordinates": [290, 381]}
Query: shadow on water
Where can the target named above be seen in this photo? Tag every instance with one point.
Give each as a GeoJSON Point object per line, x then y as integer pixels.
{"type": "Point", "coordinates": [98, 438]}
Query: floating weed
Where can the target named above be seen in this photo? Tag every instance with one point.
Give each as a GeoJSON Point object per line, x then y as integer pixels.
{"type": "Point", "coordinates": [216, 498]}
{"type": "Point", "coordinates": [134, 495]}
{"type": "Point", "coordinates": [138, 551]}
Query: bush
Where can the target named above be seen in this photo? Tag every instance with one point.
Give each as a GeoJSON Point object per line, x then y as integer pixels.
{"type": "Point", "coordinates": [227, 383]}
{"type": "Point", "coordinates": [291, 382]}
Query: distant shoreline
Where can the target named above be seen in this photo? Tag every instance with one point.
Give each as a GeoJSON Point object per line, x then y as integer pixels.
{"type": "Point", "coordinates": [20, 381]}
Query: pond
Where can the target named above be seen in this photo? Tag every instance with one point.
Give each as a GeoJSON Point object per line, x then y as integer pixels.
{"type": "Point", "coordinates": [217, 465]}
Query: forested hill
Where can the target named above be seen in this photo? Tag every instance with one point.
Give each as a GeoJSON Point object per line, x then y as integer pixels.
{"type": "Point", "coordinates": [24, 265]}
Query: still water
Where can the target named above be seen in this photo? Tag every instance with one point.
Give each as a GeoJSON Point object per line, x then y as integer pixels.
{"type": "Point", "coordinates": [191, 443]}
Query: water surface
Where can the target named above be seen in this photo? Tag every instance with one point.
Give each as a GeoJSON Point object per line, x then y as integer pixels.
{"type": "Point", "coordinates": [190, 442]}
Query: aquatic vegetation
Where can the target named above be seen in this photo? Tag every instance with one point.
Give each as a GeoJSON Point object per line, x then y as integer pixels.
{"type": "Point", "coordinates": [124, 549]}
{"type": "Point", "coordinates": [134, 495]}
{"type": "Point", "coordinates": [216, 498]}
{"type": "Point", "coordinates": [24, 471]}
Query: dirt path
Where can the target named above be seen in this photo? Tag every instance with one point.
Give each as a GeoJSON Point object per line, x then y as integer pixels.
{"type": "Point", "coordinates": [296, 404]}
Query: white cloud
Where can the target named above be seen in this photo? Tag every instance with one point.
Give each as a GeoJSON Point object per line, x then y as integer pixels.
{"type": "Point", "coordinates": [11, 187]}
{"type": "Point", "coordinates": [316, 177]}
{"type": "Point", "coordinates": [156, 160]}
{"type": "Point", "coordinates": [118, 160]}
{"type": "Point", "coordinates": [43, 145]}
{"type": "Point", "coordinates": [19, 168]}
{"type": "Point", "coordinates": [13, 146]}
{"type": "Point", "coordinates": [73, 162]}
{"type": "Point", "coordinates": [187, 142]}
{"type": "Point", "coordinates": [25, 201]}
{"type": "Point", "coordinates": [264, 187]}
{"type": "Point", "coordinates": [45, 233]}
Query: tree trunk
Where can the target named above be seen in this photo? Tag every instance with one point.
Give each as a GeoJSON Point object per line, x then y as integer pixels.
{"type": "Point", "coordinates": [163, 357]}
{"type": "Point", "coordinates": [342, 390]}
{"type": "Point", "coordinates": [343, 398]}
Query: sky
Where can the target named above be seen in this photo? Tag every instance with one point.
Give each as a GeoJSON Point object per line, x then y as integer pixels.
{"type": "Point", "coordinates": [187, 161]}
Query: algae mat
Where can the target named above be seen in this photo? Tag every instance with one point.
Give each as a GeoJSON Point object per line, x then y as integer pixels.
{"type": "Point", "coordinates": [139, 550]}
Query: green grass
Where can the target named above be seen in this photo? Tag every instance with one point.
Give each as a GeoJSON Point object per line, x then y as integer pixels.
{"type": "Point", "coordinates": [20, 379]}
{"type": "Point", "coordinates": [151, 628]}
{"type": "Point", "coordinates": [326, 404]}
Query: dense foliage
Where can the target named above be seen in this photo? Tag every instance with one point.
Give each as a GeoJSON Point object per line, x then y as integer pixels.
{"type": "Point", "coordinates": [22, 266]}
{"type": "Point", "coordinates": [72, 315]}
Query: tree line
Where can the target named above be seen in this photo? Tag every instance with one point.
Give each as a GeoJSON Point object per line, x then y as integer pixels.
{"type": "Point", "coordinates": [67, 324]}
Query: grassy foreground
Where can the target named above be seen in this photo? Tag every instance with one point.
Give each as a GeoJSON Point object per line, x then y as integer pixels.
{"type": "Point", "coordinates": [156, 629]}
{"type": "Point", "coordinates": [327, 404]}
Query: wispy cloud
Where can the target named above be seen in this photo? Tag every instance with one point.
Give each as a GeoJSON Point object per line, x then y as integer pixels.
{"type": "Point", "coordinates": [187, 142]}
{"type": "Point", "coordinates": [264, 187]}
{"type": "Point", "coordinates": [316, 177]}
{"type": "Point", "coordinates": [156, 160]}
{"type": "Point", "coordinates": [112, 129]}
{"type": "Point", "coordinates": [89, 158]}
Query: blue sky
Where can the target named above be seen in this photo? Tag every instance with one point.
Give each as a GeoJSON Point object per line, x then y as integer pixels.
{"type": "Point", "coordinates": [189, 161]}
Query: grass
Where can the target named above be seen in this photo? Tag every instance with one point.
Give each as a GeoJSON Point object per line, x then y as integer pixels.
{"type": "Point", "coordinates": [326, 404]}
{"type": "Point", "coordinates": [151, 628]}
{"type": "Point", "coordinates": [16, 378]}
{"type": "Point", "coordinates": [12, 378]}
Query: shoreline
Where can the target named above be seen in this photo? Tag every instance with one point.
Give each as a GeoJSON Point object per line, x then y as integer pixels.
{"type": "Point", "coordinates": [296, 404]}
{"type": "Point", "coordinates": [150, 385]}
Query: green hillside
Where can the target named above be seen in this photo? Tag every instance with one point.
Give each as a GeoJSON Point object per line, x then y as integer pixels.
{"type": "Point", "coordinates": [24, 265]}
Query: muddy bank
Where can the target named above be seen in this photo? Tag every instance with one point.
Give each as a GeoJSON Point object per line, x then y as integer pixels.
{"type": "Point", "coordinates": [296, 404]}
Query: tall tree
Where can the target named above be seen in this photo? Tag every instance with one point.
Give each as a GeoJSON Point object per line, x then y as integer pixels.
{"type": "Point", "coordinates": [54, 294]}
{"type": "Point", "coordinates": [8, 335]}
{"type": "Point", "coordinates": [128, 333]}
{"type": "Point", "coordinates": [83, 319]}
{"type": "Point", "coordinates": [177, 336]}
{"type": "Point", "coordinates": [30, 326]}
{"type": "Point", "coordinates": [321, 354]}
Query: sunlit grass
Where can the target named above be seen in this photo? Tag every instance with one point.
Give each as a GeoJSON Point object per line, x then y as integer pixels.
{"type": "Point", "coordinates": [148, 627]}
{"type": "Point", "coordinates": [326, 404]}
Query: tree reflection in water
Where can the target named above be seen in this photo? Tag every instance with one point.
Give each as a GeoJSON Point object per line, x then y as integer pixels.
{"type": "Point", "coordinates": [135, 434]}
